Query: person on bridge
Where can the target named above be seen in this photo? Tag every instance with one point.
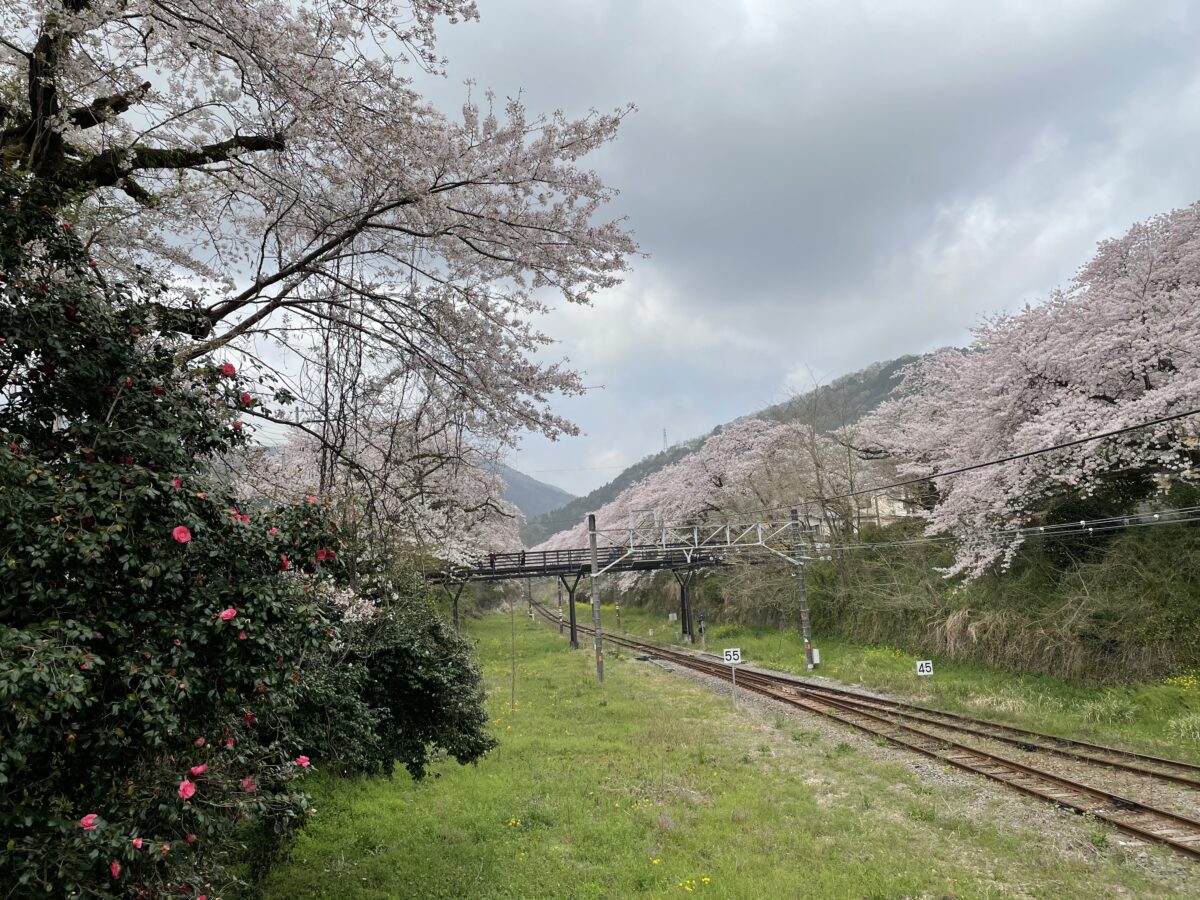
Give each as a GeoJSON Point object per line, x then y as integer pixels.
{"type": "Point", "coordinates": [521, 560]}
{"type": "Point", "coordinates": [492, 561]}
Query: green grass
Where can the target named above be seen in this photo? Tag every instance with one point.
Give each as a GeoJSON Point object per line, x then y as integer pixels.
{"type": "Point", "coordinates": [651, 786]}
{"type": "Point", "coordinates": [1161, 718]}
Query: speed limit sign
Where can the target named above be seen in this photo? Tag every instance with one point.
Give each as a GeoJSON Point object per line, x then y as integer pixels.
{"type": "Point", "coordinates": [925, 667]}
{"type": "Point", "coordinates": [733, 655]}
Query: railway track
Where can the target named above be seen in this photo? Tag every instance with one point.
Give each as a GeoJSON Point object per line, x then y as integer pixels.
{"type": "Point", "coordinates": [907, 725]}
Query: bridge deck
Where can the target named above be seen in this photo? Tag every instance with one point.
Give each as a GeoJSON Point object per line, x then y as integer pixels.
{"type": "Point", "coordinates": [552, 563]}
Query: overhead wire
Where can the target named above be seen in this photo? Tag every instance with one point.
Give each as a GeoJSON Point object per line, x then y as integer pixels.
{"type": "Point", "coordinates": [983, 465]}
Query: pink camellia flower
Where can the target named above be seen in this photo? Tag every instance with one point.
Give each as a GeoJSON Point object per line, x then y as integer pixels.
{"type": "Point", "coordinates": [273, 531]}
{"type": "Point", "coordinates": [175, 482]}
{"type": "Point", "coordinates": [88, 822]}
{"type": "Point", "coordinates": [237, 426]}
{"type": "Point", "coordinates": [241, 635]}
{"type": "Point", "coordinates": [158, 391]}
{"type": "Point", "coordinates": [246, 399]}
{"type": "Point", "coordinates": [311, 499]}
{"type": "Point", "coordinates": [183, 686]}
{"type": "Point", "coordinates": [202, 495]}
{"type": "Point", "coordinates": [248, 784]}
{"type": "Point", "coordinates": [166, 848]}
{"type": "Point", "coordinates": [229, 743]}
{"type": "Point", "coordinates": [181, 534]}
{"type": "Point", "coordinates": [137, 843]}
{"type": "Point", "coordinates": [250, 719]}
{"type": "Point", "coordinates": [115, 868]}
{"type": "Point", "coordinates": [228, 369]}
{"type": "Point", "coordinates": [191, 839]}
{"type": "Point", "coordinates": [227, 614]}
{"type": "Point", "coordinates": [199, 770]}
{"type": "Point", "coordinates": [284, 563]}
{"type": "Point", "coordinates": [186, 789]}
{"type": "Point", "coordinates": [199, 742]}
{"type": "Point", "coordinates": [302, 762]}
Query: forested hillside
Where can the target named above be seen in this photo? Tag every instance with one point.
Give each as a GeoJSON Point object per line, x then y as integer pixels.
{"type": "Point", "coordinates": [827, 407]}
{"type": "Point", "coordinates": [530, 496]}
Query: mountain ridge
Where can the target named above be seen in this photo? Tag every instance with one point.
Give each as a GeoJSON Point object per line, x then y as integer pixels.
{"type": "Point", "coordinates": [532, 497]}
{"type": "Point", "coordinates": [826, 407]}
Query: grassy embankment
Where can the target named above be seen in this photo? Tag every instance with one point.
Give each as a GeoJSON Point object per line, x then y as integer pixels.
{"type": "Point", "coordinates": [1158, 717]}
{"type": "Point", "coordinates": [653, 786]}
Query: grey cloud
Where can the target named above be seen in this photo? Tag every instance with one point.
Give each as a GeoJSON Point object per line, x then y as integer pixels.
{"type": "Point", "coordinates": [804, 175]}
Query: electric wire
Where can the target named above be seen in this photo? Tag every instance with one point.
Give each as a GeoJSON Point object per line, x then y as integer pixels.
{"type": "Point", "coordinates": [991, 462]}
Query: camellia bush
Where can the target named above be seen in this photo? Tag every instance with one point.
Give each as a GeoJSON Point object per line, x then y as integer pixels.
{"type": "Point", "coordinates": [163, 646]}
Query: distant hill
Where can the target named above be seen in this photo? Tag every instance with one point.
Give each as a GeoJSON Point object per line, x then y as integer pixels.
{"type": "Point", "coordinates": [536, 530]}
{"type": "Point", "coordinates": [530, 496]}
{"type": "Point", "coordinates": [843, 401]}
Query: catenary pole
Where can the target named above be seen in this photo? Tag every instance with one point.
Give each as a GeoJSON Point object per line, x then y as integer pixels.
{"type": "Point", "coordinates": [804, 623]}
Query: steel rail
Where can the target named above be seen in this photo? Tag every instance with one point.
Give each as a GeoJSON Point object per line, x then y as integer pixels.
{"type": "Point", "coordinates": [1141, 820]}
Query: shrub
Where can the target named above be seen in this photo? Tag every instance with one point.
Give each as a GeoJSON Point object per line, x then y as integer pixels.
{"type": "Point", "coordinates": [170, 657]}
{"type": "Point", "coordinates": [395, 683]}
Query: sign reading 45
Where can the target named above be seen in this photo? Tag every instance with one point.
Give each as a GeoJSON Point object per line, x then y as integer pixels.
{"type": "Point", "coordinates": [925, 667]}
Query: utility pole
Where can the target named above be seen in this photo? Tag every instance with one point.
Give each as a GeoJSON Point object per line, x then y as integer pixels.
{"type": "Point", "coordinates": [591, 522]}
{"type": "Point", "coordinates": [804, 624]}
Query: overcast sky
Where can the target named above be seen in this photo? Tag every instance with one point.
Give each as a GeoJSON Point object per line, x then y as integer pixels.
{"type": "Point", "coordinates": [820, 185]}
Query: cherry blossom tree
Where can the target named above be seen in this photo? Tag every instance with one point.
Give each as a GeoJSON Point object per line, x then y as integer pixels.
{"type": "Point", "coordinates": [752, 470]}
{"type": "Point", "coordinates": [276, 164]}
{"type": "Point", "coordinates": [1119, 346]}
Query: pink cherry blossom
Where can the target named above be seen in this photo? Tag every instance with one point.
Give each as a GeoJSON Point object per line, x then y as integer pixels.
{"type": "Point", "coordinates": [492, 169]}
{"type": "Point", "coordinates": [1117, 347]}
